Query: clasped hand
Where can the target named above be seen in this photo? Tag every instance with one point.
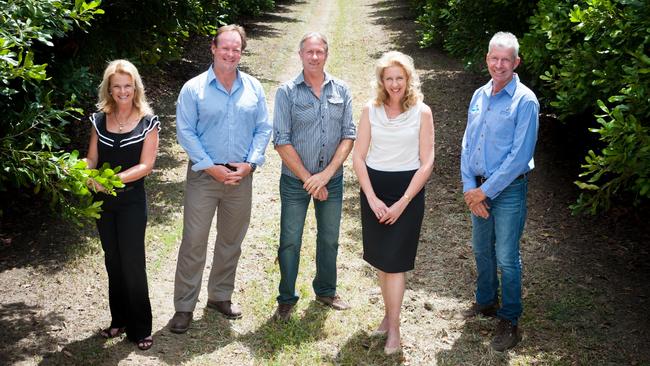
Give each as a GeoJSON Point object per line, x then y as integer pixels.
{"type": "Point", "coordinates": [230, 177]}
{"type": "Point", "coordinates": [316, 185]}
{"type": "Point", "coordinates": [476, 200]}
{"type": "Point", "coordinates": [385, 214]}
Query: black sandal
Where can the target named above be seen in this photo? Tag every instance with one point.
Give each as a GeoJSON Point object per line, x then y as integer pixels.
{"type": "Point", "coordinates": [145, 343]}
{"type": "Point", "coordinates": [109, 332]}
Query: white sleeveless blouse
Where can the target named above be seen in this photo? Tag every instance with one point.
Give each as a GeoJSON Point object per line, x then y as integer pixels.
{"type": "Point", "coordinates": [394, 142]}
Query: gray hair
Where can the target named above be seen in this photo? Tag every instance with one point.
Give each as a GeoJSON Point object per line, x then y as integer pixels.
{"type": "Point", "coordinates": [318, 35]}
{"type": "Point", "coordinates": [504, 40]}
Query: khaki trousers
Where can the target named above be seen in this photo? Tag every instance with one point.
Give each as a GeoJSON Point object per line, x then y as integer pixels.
{"type": "Point", "coordinates": [204, 196]}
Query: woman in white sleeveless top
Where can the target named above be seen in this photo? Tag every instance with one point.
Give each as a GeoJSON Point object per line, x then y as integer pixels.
{"type": "Point", "coordinates": [393, 158]}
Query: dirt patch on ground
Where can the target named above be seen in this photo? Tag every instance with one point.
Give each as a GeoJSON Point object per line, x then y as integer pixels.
{"type": "Point", "coordinates": [585, 279]}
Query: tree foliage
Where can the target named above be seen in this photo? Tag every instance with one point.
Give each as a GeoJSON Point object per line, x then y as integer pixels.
{"type": "Point", "coordinates": [464, 27]}
{"type": "Point", "coordinates": [33, 125]}
{"type": "Point", "coordinates": [52, 53]}
{"type": "Point", "coordinates": [590, 58]}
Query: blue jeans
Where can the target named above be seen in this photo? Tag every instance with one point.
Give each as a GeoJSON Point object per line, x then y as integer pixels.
{"type": "Point", "coordinates": [495, 241]}
{"type": "Point", "coordinates": [295, 201]}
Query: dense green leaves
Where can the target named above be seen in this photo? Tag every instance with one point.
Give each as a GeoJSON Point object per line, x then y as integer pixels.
{"type": "Point", "coordinates": [592, 59]}
{"type": "Point", "coordinates": [52, 53]}
{"type": "Point", "coordinates": [464, 28]}
{"type": "Point", "coordinates": [33, 125]}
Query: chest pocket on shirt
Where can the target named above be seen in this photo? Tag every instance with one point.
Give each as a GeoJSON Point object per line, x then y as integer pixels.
{"type": "Point", "coordinates": [335, 106]}
{"type": "Point", "coordinates": [505, 129]}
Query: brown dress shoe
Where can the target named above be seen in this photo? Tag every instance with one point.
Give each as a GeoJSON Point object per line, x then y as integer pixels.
{"type": "Point", "coordinates": [335, 302]}
{"type": "Point", "coordinates": [180, 322]}
{"type": "Point", "coordinates": [283, 312]}
{"type": "Point", "coordinates": [485, 310]}
{"type": "Point", "coordinates": [226, 308]}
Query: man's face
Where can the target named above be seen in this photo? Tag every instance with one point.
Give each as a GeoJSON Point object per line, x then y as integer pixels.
{"type": "Point", "coordinates": [501, 64]}
{"type": "Point", "coordinates": [227, 54]}
{"type": "Point", "coordinates": [313, 55]}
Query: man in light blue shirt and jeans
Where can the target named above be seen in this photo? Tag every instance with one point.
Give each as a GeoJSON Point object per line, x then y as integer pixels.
{"type": "Point", "coordinates": [497, 154]}
{"type": "Point", "coordinates": [313, 134]}
{"type": "Point", "coordinates": [222, 123]}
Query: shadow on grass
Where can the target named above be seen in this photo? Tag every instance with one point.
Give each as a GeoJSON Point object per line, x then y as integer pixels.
{"type": "Point", "coordinates": [361, 347]}
{"type": "Point", "coordinates": [17, 321]}
{"type": "Point", "coordinates": [206, 335]}
{"type": "Point", "coordinates": [273, 337]}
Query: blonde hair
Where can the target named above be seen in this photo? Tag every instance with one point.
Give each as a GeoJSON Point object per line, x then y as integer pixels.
{"type": "Point", "coordinates": [412, 94]}
{"type": "Point", "coordinates": [106, 103]}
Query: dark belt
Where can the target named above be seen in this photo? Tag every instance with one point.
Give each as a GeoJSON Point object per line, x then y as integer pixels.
{"type": "Point", "coordinates": [125, 189]}
{"type": "Point", "coordinates": [480, 180]}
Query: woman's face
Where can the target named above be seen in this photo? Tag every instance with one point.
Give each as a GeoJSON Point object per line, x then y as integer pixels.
{"type": "Point", "coordinates": [394, 80]}
{"type": "Point", "coordinates": [122, 89]}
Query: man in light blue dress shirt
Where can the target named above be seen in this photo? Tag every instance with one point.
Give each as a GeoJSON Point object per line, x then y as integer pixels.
{"type": "Point", "coordinates": [497, 154]}
{"type": "Point", "coordinates": [313, 134]}
{"type": "Point", "coordinates": [222, 123]}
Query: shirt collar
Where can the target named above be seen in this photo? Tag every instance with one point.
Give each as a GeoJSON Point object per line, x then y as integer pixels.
{"type": "Point", "coordinates": [300, 79]}
{"type": "Point", "coordinates": [509, 88]}
{"type": "Point", "coordinates": [212, 77]}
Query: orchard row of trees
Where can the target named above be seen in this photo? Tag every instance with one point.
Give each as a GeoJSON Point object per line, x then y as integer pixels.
{"type": "Point", "coordinates": [52, 53]}
{"type": "Point", "coordinates": [588, 60]}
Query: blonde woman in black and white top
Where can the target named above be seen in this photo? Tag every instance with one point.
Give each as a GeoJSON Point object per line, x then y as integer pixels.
{"type": "Point", "coordinates": [125, 134]}
{"type": "Point", "coordinates": [393, 158]}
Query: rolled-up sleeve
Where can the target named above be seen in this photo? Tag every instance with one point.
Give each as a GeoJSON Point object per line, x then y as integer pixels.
{"type": "Point", "coordinates": [348, 129]}
{"type": "Point", "coordinates": [186, 124]}
{"type": "Point", "coordinates": [282, 118]}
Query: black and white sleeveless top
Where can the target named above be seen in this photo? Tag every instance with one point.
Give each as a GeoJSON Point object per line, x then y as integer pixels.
{"type": "Point", "coordinates": [122, 149]}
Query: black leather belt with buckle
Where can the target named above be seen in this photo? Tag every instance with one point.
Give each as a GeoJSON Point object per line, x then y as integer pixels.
{"type": "Point", "coordinates": [480, 180]}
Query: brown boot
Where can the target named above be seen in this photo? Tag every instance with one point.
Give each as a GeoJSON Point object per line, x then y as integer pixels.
{"type": "Point", "coordinates": [506, 336]}
{"type": "Point", "coordinates": [180, 322]}
{"type": "Point", "coordinates": [283, 312]}
{"type": "Point", "coordinates": [485, 310]}
{"type": "Point", "coordinates": [335, 302]}
{"type": "Point", "coordinates": [226, 308]}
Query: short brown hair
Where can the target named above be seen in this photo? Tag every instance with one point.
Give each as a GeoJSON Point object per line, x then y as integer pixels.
{"type": "Point", "coordinates": [231, 28]}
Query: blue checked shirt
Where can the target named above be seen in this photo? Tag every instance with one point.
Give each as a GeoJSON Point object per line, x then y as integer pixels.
{"type": "Point", "coordinates": [500, 137]}
{"type": "Point", "coordinates": [314, 127]}
{"type": "Point", "coordinates": [216, 127]}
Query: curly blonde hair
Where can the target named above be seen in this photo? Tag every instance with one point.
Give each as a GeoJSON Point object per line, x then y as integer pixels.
{"type": "Point", "coordinates": [106, 103]}
{"type": "Point", "coordinates": [412, 94]}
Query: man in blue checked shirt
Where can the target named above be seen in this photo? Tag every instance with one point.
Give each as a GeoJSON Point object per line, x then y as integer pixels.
{"type": "Point", "coordinates": [313, 133]}
{"type": "Point", "coordinates": [222, 123]}
{"type": "Point", "coordinates": [497, 154]}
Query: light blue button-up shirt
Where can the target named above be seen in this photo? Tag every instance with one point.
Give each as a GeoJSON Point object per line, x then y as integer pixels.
{"type": "Point", "coordinates": [215, 126]}
{"type": "Point", "coordinates": [500, 137]}
{"type": "Point", "coordinates": [313, 126]}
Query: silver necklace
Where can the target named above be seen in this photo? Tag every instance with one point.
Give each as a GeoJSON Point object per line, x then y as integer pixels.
{"type": "Point", "coordinates": [120, 125]}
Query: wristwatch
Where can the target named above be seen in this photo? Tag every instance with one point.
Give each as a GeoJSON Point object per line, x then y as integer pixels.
{"type": "Point", "coordinates": [253, 166]}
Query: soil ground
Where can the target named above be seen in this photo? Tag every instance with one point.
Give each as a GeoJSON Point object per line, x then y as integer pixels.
{"type": "Point", "coordinates": [585, 279]}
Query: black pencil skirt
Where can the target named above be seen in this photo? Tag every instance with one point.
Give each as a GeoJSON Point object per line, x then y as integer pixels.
{"type": "Point", "coordinates": [391, 248]}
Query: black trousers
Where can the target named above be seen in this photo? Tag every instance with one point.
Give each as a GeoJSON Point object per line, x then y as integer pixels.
{"type": "Point", "coordinates": [121, 230]}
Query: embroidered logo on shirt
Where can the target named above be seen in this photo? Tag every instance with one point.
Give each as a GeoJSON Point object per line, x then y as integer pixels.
{"type": "Point", "coordinates": [474, 109]}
